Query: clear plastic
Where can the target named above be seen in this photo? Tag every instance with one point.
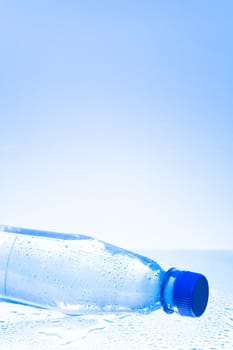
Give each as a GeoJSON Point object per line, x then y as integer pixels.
{"type": "Point", "coordinates": [75, 274]}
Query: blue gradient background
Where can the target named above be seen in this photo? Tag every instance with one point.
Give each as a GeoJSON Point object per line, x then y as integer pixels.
{"type": "Point", "coordinates": [116, 120]}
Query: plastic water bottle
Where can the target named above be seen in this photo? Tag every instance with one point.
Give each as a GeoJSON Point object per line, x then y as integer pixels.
{"type": "Point", "coordinates": [77, 274]}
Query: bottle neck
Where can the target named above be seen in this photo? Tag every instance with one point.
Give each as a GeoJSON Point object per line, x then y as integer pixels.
{"type": "Point", "coordinates": [167, 291]}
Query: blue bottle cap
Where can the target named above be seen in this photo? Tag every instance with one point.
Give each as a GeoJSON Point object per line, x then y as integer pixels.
{"type": "Point", "coordinates": [190, 293]}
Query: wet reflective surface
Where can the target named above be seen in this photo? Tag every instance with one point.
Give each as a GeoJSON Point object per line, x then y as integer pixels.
{"type": "Point", "coordinates": [23, 327]}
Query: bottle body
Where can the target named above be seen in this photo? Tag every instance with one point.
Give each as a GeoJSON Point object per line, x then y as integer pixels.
{"type": "Point", "coordinates": [76, 274]}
